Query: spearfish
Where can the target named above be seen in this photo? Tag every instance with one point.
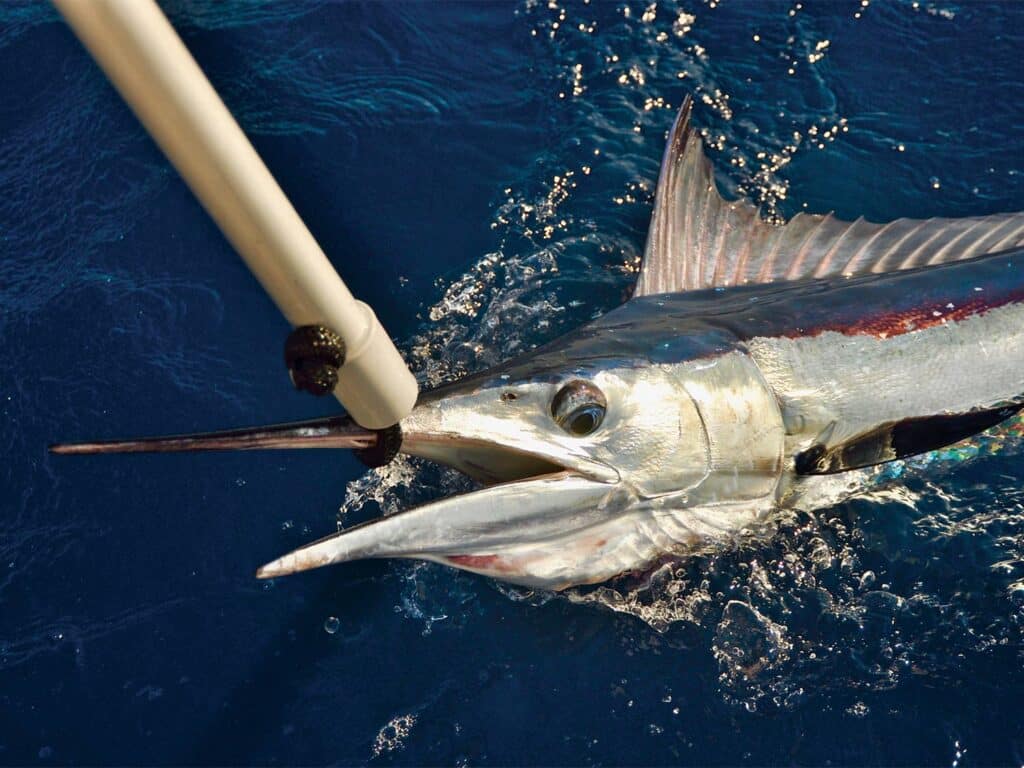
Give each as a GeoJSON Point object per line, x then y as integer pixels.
{"type": "Point", "coordinates": [751, 360]}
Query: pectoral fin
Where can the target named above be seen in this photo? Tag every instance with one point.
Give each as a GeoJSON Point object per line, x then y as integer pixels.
{"type": "Point", "coordinates": [897, 440]}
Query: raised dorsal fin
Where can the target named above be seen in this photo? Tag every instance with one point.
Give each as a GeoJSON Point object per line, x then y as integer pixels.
{"type": "Point", "coordinates": [698, 240]}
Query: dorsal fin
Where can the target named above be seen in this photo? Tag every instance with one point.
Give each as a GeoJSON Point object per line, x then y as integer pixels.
{"type": "Point", "coordinates": [698, 240]}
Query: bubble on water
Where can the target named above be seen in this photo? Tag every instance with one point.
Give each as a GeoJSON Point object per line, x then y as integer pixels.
{"type": "Point", "coordinates": [748, 645]}
{"type": "Point", "coordinates": [331, 625]}
{"type": "Point", "coordinates": [392, 736]}
{"type": "Point", "coordinates": [859, 709]}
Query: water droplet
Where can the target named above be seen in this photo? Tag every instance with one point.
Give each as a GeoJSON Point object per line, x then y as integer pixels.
{"type": "Point", "coordinates": [331, 625]}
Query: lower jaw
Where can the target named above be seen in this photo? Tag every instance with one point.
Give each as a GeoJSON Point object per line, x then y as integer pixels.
{"type": "Point", "coordinates": [589, 556]}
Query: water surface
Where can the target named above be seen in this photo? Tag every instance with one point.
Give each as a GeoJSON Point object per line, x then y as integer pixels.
{"type": "Point", "coordinates": [481, 174]}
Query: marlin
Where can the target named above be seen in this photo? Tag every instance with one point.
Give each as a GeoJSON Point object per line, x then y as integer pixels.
{"type": "Point", "coordinates": [751, 361]}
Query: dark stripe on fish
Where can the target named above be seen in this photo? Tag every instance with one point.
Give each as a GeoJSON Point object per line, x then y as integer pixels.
{"type": "Point", "coordinates": [898, 322]}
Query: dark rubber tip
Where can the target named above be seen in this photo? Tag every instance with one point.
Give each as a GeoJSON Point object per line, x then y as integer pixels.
{"type": "Point", "coordinates": [313, 355]}
{"type": "Point", "coordinates": [389, 442]}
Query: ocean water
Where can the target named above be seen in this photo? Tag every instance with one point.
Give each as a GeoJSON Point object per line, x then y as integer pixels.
{"type": "Point", "coordinates": [481, 173]}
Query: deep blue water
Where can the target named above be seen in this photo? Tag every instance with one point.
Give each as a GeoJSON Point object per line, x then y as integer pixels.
{"type": "Point", "coordinates": [481, 174]}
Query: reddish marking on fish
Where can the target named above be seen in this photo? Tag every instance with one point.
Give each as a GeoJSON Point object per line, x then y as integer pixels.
{"type": "Point", "coordinates": [898, 322]}
{"type": "Point", "coordinates": [482, 562]}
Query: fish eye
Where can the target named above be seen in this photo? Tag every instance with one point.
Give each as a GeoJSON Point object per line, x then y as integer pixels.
{"type": "Point", "coordinates": [579, 408]}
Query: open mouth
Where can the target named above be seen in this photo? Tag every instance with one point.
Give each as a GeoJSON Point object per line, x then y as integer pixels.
{"type": "Point", "coordinates": [532, 468]}
{"type": "Point", "coordinates": [491, 463]}
{"type": "Point", "coordinates": [529, 496]}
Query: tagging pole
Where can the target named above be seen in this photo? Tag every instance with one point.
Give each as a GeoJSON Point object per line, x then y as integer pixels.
{"type": "Point", "coordinates": [149, 65]}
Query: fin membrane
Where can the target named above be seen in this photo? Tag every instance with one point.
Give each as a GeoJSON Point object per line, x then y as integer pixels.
{"type": "Point", "coordinates": [898, 440]}
{"type": "Point", "coordinates": [698, 240]}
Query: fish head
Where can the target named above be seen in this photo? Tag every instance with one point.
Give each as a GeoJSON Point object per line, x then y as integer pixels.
{"type": "Point", "coordinates": [617, 422]}
{"type": "Point", "coordinates": [590, 467]}
{"type": "Point", "coordinates": [566, 452]}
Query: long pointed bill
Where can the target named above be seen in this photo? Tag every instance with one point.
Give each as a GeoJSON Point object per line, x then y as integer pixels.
{"type": "Point", "coordinates": [331, 432]}
{"type": "Point", "coordinates": [491, 531]}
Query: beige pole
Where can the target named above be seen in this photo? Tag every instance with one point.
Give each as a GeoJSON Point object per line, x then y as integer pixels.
{"type": "Point", "coordinates": [145, 59]}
